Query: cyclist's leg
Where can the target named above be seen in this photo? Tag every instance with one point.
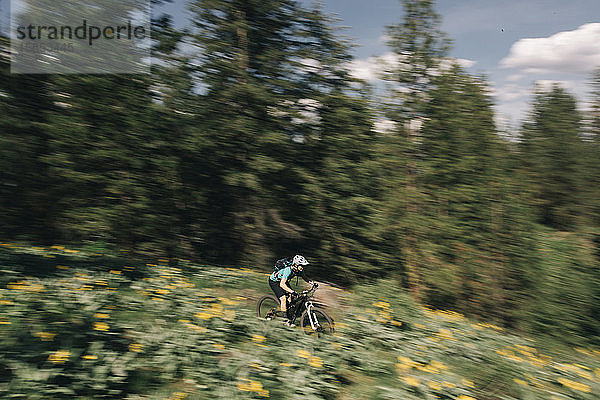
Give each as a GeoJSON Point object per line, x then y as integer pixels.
{"type": "Point", "coordinates": [281, 295]}
{"type": "Point", "coordinates": [283, 302]}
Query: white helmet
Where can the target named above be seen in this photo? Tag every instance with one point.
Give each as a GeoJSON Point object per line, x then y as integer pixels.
{"type": "Point", "coordinates": [299, 260]}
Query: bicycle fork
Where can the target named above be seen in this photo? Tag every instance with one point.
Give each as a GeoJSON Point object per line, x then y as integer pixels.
{"type": "Point", "coordinates": [314, 324]}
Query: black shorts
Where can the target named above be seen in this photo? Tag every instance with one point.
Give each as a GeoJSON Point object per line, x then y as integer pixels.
{"type": "Point", "coordinates": [276, 288]}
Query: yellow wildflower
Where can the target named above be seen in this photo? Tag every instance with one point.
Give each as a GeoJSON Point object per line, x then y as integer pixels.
{"type": "Point", "coordinates": [219, 346]}
{"type": "Point", "coordinates": [89, 357]}
{"type": "Point", "coordinates": [136, 347]}
{"type": "Point", "coordinates": [315, 362]}
{"type": "Point", "coordinates": [228, 302]}
{"type": "Point", "coordinates": [283, 364]}
{"type": "Point", "coordinates": [402, 368]}
{"type": "Point", "coordinates": [434, 385]}
{"type": "Point", "coordinates": [101, 315]}
{"type": "Point", "coordinates": [410, 380]}
{"type": "Point", "coordinates": [583, 351]}
{"type": "Point", "coordinates": [465, 397]}
{"type": "Point", "coordinates": [258, 338]}
{"type": "Point", "coordinates": [438, 365]}
{"type": "Point", "coordinates": [101, 326]}
{"type": "Point", "coordinates": [468, 383]}
{"type": "Point", "coordinates": [178, 396]}
{"type": "Point", "coordinates": [582, 387]}
{"type": "Point", "coordinates": [445, 334]}
{"type": "Point", "coordinates": [428, 368]}
{"type": "Point", "coordinates": [59, 357]}
{"type": "Point", "coordinates": [520, 381]}
{"type": "Point", "coordinates": [448, 384]}
{"type": "Point", "coordinates": [303, 353]}
{"type": "Point", "coordinates": [405, 360]}
{"type": "Point", "coordinates": [197, 328]}
{"type": "Point", "coordinates": [45, 336]}
{"type": "Point", "coordinates": [382, 304]}
{"type": "Point", "coordinates": [252, 386]}
{"type": "Point", "coordinates": [203, 315]}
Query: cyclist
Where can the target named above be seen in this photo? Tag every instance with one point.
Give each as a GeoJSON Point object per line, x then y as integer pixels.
{"type": "Point", "coordinates": [278, 281]}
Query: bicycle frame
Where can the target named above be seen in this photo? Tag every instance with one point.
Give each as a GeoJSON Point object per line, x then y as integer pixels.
{"type": "Point", "coordinates": [304, 302]}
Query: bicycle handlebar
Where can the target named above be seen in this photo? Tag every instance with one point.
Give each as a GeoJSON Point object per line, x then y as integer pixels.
{"type": "Point", "coordinates": [314, 287]}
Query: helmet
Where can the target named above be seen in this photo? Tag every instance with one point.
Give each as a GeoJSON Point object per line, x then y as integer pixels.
{"type": "Point", "coordinates": [299, 260]}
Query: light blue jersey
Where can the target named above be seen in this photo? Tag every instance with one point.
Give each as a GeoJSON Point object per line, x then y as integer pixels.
{"type": "Point", "coordinates": [286, 273]}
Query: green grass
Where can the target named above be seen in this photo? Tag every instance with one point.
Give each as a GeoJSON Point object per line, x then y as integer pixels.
{"type": "Point", "coordinates": [99, 327]}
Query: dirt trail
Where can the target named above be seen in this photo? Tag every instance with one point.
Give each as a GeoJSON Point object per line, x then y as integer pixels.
{"type": "Point", "coordinates": [332, 297]}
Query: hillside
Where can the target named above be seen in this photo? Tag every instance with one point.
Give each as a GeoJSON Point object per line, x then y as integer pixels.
{"type": "Point", "coordinates": [76, 324]}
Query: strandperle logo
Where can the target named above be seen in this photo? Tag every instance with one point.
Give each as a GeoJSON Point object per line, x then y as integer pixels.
{"type": "Point", "coordinates": [91, 37]}
{"type": "Point", "coordinates": [81, 32]}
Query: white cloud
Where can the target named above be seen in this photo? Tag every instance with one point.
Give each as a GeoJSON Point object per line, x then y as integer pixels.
{"type": "Point", "coordinates": [511, 92]}
{"type": "Point", "coordinates": [576, 51]}
{"type": "Point", "coordinates": [448, 62]}
{"type": "Point", "coordinates": [374, 68]}
{"type": "Point", "coordinates": [546, 85]}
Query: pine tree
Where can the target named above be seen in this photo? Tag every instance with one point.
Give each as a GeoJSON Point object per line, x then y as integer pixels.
{"type": "Point", "coordinates": [551, 148]}
{"type": "Point", "coordinates": [278, 110]}
{"type": "Point", "coordinates": [419, 47]}
{"type": "Point", "coordinates": [592, 160]}
{"type": "Point", "coordinates": [25, 204]}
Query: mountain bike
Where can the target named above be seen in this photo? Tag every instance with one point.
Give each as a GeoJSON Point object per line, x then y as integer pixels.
{"type": "Point", "coordinates": [313, 319]}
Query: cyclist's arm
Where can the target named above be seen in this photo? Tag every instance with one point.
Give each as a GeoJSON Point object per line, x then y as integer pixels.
{"type": "Point", "coordinates": [284, 286]}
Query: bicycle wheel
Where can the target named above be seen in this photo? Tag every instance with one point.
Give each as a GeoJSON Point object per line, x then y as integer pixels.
{"type": "Point", "coordinates": [324, 322]}
{"type": "Point", "coordinates": [267, 306]}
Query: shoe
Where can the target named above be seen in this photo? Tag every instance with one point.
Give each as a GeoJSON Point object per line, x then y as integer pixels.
{"type": "Point", "coordinates": [287, 322]}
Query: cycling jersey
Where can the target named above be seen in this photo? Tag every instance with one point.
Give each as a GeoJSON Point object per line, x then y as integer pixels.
{"type": "Point", "coordinates": [286, 273]}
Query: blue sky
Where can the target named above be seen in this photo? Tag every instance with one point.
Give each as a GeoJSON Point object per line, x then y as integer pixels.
{"type": "Point", "coordinates": [514, 43]}
{"type": "Point", "coordinates": [494, 36]}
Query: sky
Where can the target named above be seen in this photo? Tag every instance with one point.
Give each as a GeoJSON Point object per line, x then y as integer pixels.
{"type": "Point", "coordinates": [513, 43]}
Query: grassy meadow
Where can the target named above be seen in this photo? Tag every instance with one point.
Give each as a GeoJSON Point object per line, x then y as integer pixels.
{"type": "Point", "coordinates": [81, 324]}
